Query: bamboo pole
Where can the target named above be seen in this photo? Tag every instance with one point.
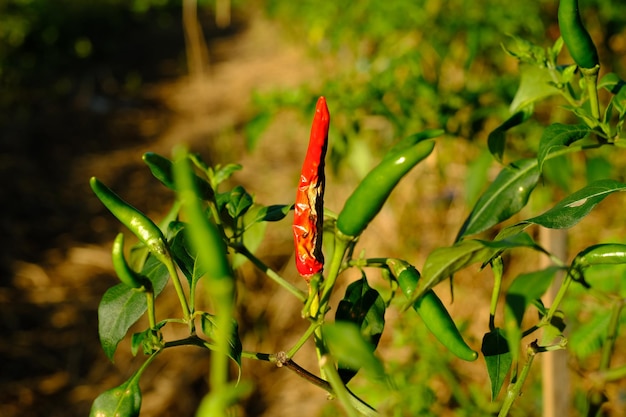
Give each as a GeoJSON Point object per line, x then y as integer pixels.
{"type": "Point", "coordinates": [555, 373]}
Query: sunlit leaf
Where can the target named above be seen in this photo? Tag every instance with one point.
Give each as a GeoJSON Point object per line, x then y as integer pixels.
{"type": "Point", "coordinates": [121, 306]}
{"type": "Point", "coordinates": [506, 196]}
{"type": "Point", "coordinates": [536, 83]}
{"type": "Point", "coordinates": [573, 208]}
{"type": "Point", "coordinates": [557, 136]}
{"type": "Point", "coordinates": [122, 401]}
{"type": "Point", "coordinates": [445, 261]}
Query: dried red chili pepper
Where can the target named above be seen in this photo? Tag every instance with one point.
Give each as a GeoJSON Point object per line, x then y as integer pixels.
{"type": "Point", "coordinates": [309, 209]}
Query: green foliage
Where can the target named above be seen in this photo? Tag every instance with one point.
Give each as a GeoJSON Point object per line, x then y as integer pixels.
{"type": "Point", "coordinates": [386, 73]}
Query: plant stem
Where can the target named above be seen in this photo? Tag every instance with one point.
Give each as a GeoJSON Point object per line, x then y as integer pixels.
{"type": "Point", "coordinates": [151, 309]}
{"type": "Point", "coordinates": [300, 295]}
{"type": "Point", "coordinates": [313, 326]}
{"type": "Point", "coordinates": [341, 244]}
{"type": "Point", "coordinates": [515, 390]}
{"type": "Point", "coordinates": [180, 293]}
{"type": "Point", "coordinates": [591, 80]}
{"type": "Point", "coordinates": [496, 266]}
{"type": "Point", "coordinates": [339, 389]}
{"type": "Point", "coordinates": [557, 299]}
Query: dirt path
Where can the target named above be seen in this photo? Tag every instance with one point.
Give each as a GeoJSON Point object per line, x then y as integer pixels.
{"type": "Point", "coordinates": [60, 236]}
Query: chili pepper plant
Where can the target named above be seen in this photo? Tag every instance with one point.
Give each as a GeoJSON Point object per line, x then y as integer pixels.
{"type": "Point", "coordinates": [207, 229]}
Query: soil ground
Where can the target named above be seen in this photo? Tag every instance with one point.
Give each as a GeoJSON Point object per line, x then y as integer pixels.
{"type": "Point", "coordinates": [57, 237]}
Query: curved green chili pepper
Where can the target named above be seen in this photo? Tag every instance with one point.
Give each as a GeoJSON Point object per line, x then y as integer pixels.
{"type": "Point", "coordinates": [370, 195]}
{"type": "Point", "coordinates": [124, 272]}
{"type": "Point", "coordinates": [432, 311]}
{"type": "Point", "coordinates": [602, 254]}
{"type": "Point", "coordinates": [575, 36]}
{"type": "Point", "coordinates": [137, 222]}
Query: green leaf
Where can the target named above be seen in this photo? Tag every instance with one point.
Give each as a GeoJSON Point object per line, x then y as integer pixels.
{"type": "Point", "coordinates": [251, 232]}
{"type": "Point", "coordinates": [347, 346]}
{"type": "Point", "coordinates": [506, 196]}
{"type": "Point", "coordinates": [527, 52]}
{"type": "Point", "coordinates": [239, 202]}
{"type": "Point", "coordinates": [443, 262]}
{"type": "Point", "coordinates": [495, 349]}
{"type": "Point", "coordinates": [151, 340]}
{"type": "Point", "coordinates": [611, 82]}
{"type": "Point", "coordinates": [221, 173]}
{"type": "Point", "coordinates": [272, 213]}
{"type": "Point", "coordinates": [497, 138]}
{"type": "Point", "coordinates": [557, 136]}
{"type": "Point", "coordinates": [185, 255]}
{"type": "Point", "coordinates": [573, 208]}
{"type": "Point", "coordinates": [363, 306]}
{"type": "Point", "coordinates": [122, 401]}
{"type": "Point", "coordinates": [161, 169]}
{"type": "Point", "coordinates": [523, 291]}
{"type": "Point", "coordinates": [519, 240]}
{"type": "Point", "coordinates": [121, 306]}
{"type": "Point", "coordinates": [536, 83]}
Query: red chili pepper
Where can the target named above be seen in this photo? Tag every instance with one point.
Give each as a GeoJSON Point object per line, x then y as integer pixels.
{"type": "Point", "coordinates": [309, 209]}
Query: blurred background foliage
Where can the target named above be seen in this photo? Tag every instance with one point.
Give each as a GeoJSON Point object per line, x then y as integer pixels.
{"type": "Point", "coordinates": [388, 69]}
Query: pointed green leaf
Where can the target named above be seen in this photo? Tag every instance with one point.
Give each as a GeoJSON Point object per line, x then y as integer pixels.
{"type": "Point", "coordinates": [506, 196]}
{"type": "Point", "coordinates": [363, 306]}
{"type": "Point", "coordinates": [272, 213]}
{"type": "Point", "coordinates": [122, 401]}
{"type": "Point", "coordinates": [161, 169]}
{"type": "Point", "coordinates": [185, 255]}
{"type": "Point", "coordinates": [443, 262]}
{"type": "Point", "coordinates": [497, 358]}
{"type": "Point", "coordinates": [497, 138]}
{"type": "Point", "coordinates": [573, 208]}
{"type": "Point", "coordinates": [536, 83]}
{"type": "Point", "coordinates": [523, 291]}
{"type": "Point", "coordinates": [239, 202]}
{"type": "Point", "coordinates": [121, 306]}
{"type": "Point", "coordinates": [559, 135]}
{"type": "Point", "coordinates": [222, 173]}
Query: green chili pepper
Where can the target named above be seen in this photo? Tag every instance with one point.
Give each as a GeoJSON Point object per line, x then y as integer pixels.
{"type": "Point", "coordinates": [602, 254]}
{"type": "Point", "coordinates": [575, 36]}
{"type": "Point", "coordinates": [137, 222]}
{"type": "Point", "coordinates": [124, 272]}
{"type": "Point", "coordinates": [432, 311]}
{"type": "Point", "coordinates": [370, 195]}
